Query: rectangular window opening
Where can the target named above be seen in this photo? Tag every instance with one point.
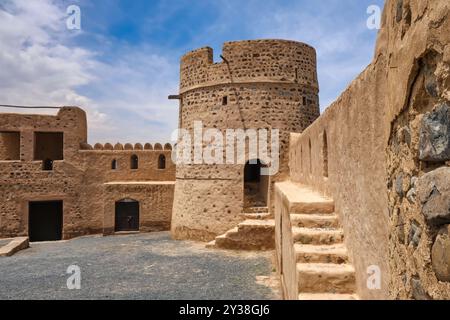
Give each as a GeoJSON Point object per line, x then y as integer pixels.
{"type": "Point", "coordinates": [9, 146]}
{"type": "Point", "coordinates": [48, 146]}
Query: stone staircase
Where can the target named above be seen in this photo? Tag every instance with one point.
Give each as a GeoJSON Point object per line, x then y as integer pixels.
{"type": "Point", "coordinates": [322, 267]}
{"type": "Point", "coordinates": [256, 232]}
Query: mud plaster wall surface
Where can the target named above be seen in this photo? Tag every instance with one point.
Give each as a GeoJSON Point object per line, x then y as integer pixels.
{"type": "Point", "coordinates": [358, 128]}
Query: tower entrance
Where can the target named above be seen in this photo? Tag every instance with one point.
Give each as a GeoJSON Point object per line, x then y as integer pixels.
{"type": "Point", "coordinates": [255, 185]}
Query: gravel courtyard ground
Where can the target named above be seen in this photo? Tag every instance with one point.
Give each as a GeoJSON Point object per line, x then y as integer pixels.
{"type": "Point", "coordinates": [141, 266]}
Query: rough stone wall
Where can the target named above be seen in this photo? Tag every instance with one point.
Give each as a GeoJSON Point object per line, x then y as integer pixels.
{"type": "Point", "coordinates": [419, 184]}
{"type": "Point", "coordinates": [24, 180]}
{"type": "Point", "coordinates": [373, 156]}
{"type": "Point", "coordinates": [101, 181]}
{"type": "Point", "coordinates": [418, 150]}
{"type": "Point", "coordinates": [82, 179]}
{"type": "Point", "coordinates": [267, 84]}
{"type": "Point", "coordinates": [251, 61]}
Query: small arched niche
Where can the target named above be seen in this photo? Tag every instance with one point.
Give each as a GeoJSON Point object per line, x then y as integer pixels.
{"type": "Point", "coordinates": [134, 162]}
{"type": "Point", "coordinates": [161, 162]}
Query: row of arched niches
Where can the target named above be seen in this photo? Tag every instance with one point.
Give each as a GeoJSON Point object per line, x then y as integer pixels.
{"type": "Point", "coordinates": [127, 146]}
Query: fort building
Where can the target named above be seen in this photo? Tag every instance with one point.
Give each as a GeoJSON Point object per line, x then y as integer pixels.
{"type": "Point", "coordinates": [360, 205]}
{"type": "Point", "coordinates": [56, 186]}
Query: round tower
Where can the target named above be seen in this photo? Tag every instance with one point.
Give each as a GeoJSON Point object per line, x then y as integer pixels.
{"type": "Point", "coordinates": [259, 84]}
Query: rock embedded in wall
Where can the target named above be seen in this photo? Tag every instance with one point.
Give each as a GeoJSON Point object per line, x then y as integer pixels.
{"type": "Point", "coordinates": [415, 233]}
{"type": "Point", "coordinates": [405, 135]}
{"type": "Point", "coordinates": [418, 291]}
{"type": "Point", "coordinates": [434, 145]}
{"type": "Point", "coordinates": [399, 11]}
{"type": "Point", "coordinates": [441, 254]}
{"type": "Point", "coordinates": [402, 185]}
{"type": "Point", "coordinates": [399, 185]}
{"type": "Point", "coordinates": [411, 195]}
{"type": "Point", "coordinates": [433, 191]}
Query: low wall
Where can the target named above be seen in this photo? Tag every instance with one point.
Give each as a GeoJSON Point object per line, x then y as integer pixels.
{"type": "Point", "coordinates": [284, 245]}
{"type": "Point", "coordinates": [356, 171]}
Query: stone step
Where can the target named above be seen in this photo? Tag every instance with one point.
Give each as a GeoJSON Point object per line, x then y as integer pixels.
{"type": "Point", "coordinates": [229, 233]}
{"type": "Point", "coordinates": [326, 278]}
{"type": "Point", "coordinates": [256, 210]}
{"type": "Point", "coordinates": [317, 236]}
{"type": "Point", "coordinates": [257, 216]}
{"type": "Point", "coordinates": [307, 253]}
{"type": "Point", "coordinates": [302, 199]}
{"type": "Point", "coordinates": [327, 296]}
{"type": "Point", "coordinates": [314, 220]}
{"type": "Point", "coordinates": [256, 224]}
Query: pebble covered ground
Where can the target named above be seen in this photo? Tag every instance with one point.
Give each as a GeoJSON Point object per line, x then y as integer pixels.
{"type": "Point", "coordinates": [139, 267]}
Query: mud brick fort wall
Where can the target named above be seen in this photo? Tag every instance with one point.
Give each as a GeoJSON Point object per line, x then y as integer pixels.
{"type": "Point", "coordinates": [382, 152]}
{"type": "Point", "coordinates": [81, 176]}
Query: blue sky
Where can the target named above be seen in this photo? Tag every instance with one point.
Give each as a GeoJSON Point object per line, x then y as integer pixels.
{"type": "Point", "coordinates": [123, 64]}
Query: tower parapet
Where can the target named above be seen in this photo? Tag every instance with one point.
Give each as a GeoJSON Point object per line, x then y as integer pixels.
{"type": "Point", "coordinates": [253, 61]}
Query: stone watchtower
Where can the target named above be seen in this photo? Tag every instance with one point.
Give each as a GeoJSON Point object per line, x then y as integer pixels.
{"type": "Point", "coordinates": [267, 84]}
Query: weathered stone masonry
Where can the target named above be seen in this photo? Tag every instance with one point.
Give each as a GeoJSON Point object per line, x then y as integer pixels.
{"type": "Point", "coordinates": [260, 84]}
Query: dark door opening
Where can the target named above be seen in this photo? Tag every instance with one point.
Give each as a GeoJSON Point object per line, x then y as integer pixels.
{"type": "Point", "coordinates": [45, 221]}
{"type": "Point", "coordinates": [127, 216]}
{"type": "Point", "coordinates": [255, 185]}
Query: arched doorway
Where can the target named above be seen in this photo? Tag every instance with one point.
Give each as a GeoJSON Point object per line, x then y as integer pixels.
{"type": "Point", "coordinates": [127, 215]}
{"type": "Point", "coordinates": [255, 185]}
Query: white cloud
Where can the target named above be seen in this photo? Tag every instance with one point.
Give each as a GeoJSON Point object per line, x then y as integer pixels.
{"type": "Point", "coordinates": [126, 95]}
{"type": "Point", "coordinates": [134, 92]}
{"type": "Point", "coordinates": [344, 47]}
{"type": "Point", "coordinates": [127, 99]}
{"type": "Point", "coordinates": [37, 67]}
{"type": "Point", "coordinates": [337, 29]}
